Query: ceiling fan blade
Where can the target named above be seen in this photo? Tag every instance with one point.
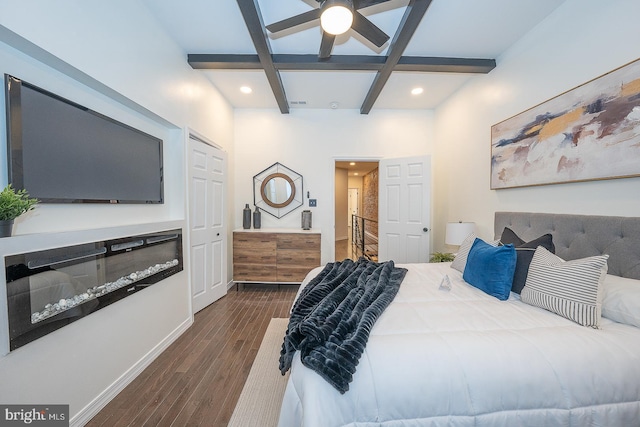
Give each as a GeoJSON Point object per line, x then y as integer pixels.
{"type": "Point", "coordinates": [326, 45]}
{"type": "Point", "coordinates": [303, 18]}
{"type": "Point", "coordinates": [368, 30]}
{"type": "Point", "coordinates": [361, 4]}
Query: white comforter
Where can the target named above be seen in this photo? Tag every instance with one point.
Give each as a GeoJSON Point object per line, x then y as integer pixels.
{"type": "Point", "coordinates": [464, 358]}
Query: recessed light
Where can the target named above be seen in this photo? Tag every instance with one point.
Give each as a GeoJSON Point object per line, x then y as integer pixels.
{"type": "Point", "coordinates": [352, 164]}
{"type": "Point", "coordinates": [355, 173]}
{"type": "Point", "coordinates": [416, 91]}
{"type": "Point", "coordinates": [246, 89]}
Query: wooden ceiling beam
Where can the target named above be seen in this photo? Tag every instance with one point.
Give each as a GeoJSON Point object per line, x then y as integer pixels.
{"type": "Point", "coordinates": [431, 64]}
{"type": "Point", "coordinates": [295, 62]}
{"type": "Point", "coordinates": [272, 64]}
{"type": "Point", "coordinates": [223, 61]}
{"type": "Point", "coordinates": [253, 19]}
{"type": "Point", "coordinates": [410, 21]}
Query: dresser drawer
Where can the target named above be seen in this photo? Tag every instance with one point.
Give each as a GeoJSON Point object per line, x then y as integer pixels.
{"type": "Point", "coordinates": [254, 273]}
{"type": "Point", "coordinates": [254, 240]}
{"type": "Point", "coordinates": [246, 256]}
{"type": "Point", "coordinates": [292, 274]}
{"type": "Point", "coordinates": [298, 257]}
{"type": "Point", "coordinates": [299, 241]}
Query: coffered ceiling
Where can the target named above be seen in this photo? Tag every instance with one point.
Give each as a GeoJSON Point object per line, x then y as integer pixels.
{"type": "Point", "coordinates": [435, 45]}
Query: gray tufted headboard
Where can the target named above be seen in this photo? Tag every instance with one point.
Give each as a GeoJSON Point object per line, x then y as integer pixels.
{"type": "Point", "coordinates": [578, 236]}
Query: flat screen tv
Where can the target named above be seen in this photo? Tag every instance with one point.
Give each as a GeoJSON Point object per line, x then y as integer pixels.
{"type": "Point", "coordinates": [62, 152]}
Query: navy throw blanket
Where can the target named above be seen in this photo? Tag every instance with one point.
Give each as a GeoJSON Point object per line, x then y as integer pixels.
{"type": "Point", "coordinates": [332, 318]}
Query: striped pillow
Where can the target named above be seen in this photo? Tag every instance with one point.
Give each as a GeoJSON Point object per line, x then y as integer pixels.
{"type": "Point", "coordinates": [572, 289]}
{"type": "Point", "coordinates": [460, 261]}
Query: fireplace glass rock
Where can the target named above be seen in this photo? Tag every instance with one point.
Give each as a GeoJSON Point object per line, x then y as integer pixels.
{"type": "Point", "coordinates": [49, 289]}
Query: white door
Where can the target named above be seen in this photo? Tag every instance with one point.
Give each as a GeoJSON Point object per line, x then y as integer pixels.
{"type": "Point", "coordinates": [207, 223]}
{"type": "Point", "coordinates": [354, 204]}
{"type": "Point", "coordinates": [404, 209]}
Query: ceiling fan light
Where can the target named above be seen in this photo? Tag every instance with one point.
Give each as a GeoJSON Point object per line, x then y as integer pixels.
{"type": "Point", "coordinates": [337, 16]}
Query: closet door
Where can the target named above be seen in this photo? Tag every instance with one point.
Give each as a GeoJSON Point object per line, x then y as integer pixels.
{"type": "Point", "coordinates": [207, 222]}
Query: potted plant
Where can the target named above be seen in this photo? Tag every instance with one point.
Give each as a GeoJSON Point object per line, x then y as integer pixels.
{"type": "Point", "coordinates": [13, 204]}
{"type": "Point", "coordinates": [441, 257]}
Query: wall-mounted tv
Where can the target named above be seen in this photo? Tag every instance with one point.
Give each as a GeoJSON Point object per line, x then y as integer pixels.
{"type": "Point", "coordinates": [62, 152]}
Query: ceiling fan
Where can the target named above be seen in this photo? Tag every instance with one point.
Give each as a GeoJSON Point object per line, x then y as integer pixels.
{"type": "Point", "coordinates": [336, 17]}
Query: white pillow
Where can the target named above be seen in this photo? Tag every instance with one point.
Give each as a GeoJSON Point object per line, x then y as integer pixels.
{"type": "Point", "coordinates": [572, 289]}
{"type": "Point", "coordinates": [621, 301]}
{"type": "Point", "coordinates": [460, 261]}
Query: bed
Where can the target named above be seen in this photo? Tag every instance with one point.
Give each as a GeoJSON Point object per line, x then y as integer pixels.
{"type": "Point", "coordinates": [462, 357]}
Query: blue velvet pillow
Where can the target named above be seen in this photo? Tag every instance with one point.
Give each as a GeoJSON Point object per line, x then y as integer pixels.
{"type": "Point", "coordinates": [491, 269]}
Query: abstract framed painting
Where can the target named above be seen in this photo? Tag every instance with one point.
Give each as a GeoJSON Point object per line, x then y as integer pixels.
{"type": "Point", "coordinates": [591, 132]}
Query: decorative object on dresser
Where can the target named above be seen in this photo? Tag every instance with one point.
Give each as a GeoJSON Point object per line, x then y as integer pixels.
{"type": "Point", "coordinates": [278, 190]}
{"type": "Point", "coordinates": [13, 204]}
{"type": "Point", "coordinates": [257, 218]}
{"type": "Point", "coordinates": [274, 255]}
{"type": "Point", "coordinates": [246, 217]}
{"type": "Point", "coordinates": [306, 219]}
{"type": "Point", "coordinates": [590, 132]}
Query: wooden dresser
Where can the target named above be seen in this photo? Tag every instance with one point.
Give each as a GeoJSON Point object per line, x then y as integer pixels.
{"type": "Point", "coordinates": [274, 255]}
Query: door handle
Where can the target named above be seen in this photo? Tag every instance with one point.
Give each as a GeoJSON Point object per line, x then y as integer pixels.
{"type": "Point", "coordinates": [425, 229]}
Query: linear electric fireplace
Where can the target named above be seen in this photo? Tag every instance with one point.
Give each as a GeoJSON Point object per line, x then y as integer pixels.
{"type": "Point", "coordinates": [49, 289]}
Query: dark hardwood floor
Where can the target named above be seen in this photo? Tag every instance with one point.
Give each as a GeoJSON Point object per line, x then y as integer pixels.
{"type": "Point", "coordinates": [198, 379]}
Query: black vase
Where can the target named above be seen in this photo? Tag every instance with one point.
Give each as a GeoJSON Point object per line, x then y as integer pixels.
{"type": "Point", "coordinates": [246, 217]}
{"type": "Point", "coordinates": [257, 218]}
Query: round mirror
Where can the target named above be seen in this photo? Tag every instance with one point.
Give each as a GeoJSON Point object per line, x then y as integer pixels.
{"type": "Point", "coordinates": [278, 190]}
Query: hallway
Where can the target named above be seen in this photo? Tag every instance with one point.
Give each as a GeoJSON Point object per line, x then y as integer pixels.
{"type": "Point", "coordinates": [344, 249]}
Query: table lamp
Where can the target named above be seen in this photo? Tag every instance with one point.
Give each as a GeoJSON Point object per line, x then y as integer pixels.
{"type": "Point", "coordinates": [456, 232]}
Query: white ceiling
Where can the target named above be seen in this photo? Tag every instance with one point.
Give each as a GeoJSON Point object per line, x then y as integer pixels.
{"type": "Point", "coordinates": [356, 168]}
{"type": "Point", "coordinates": [450, 28]}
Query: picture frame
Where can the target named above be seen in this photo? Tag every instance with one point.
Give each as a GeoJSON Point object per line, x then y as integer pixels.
{"type": "Point", "coordinates": [591, 132]}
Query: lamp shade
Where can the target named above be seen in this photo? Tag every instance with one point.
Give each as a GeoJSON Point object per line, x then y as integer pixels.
{"type": "Point", "coordinates": [456, 232]}
{"type": "Point", "coordinates": [337, 16]}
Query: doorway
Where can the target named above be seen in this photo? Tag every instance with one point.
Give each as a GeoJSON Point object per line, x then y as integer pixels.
{"type": "Point", "coordinates": [356, 209]}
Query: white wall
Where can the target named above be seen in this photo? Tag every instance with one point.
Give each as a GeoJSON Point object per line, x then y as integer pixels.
{"type": "Point", "coordinates": [309, 142]}
{"type": "Point", "coordinates": [114, 58]}
{"type": "Point", "coordinates": [580, 41]}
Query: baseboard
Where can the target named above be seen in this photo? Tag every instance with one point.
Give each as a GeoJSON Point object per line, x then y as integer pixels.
{"type": "Point", "coordinates": [89, 411]}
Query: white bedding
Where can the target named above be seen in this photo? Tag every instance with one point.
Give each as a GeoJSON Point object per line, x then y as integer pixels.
{"type": "Point", "coordinates": [464, 358]}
